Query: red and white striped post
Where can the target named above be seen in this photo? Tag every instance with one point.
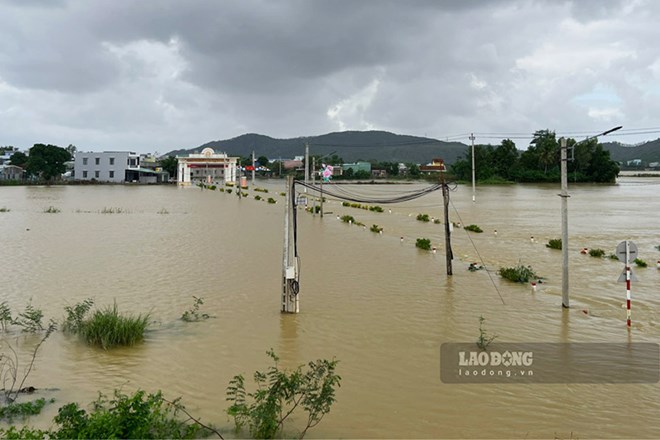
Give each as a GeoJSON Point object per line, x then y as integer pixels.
{"type": "Point", "coordinates": [628, 294]}
{"type": "Point", "coordinates": [626, 252]}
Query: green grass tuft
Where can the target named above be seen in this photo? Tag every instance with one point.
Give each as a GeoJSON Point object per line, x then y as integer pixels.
{"type": "Point", "coordinates": [423, 243]}
{"type": "Point", "coordinates": [639, 262]}
{"type": "Point", "coordinates": [107, 328]}
{"type": "Point", "coordinates": [599, 253]}
{"type": "Point", "coordinates": [473, 228]}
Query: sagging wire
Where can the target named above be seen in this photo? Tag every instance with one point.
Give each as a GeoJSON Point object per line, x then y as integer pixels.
{"type": "Point", "coordinates": [336, 191]}
{"type": "Point", "coordinates": [478, 254]}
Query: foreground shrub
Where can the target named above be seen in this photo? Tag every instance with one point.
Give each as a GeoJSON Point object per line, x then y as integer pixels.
{"type": "Point", "coordinates": [555, 243]}
{"type": "Point", "coordinates": [423, 243]}
{"type": "Point", "coordinates": [279, 393]}
{"type": "Point", "coordinates": [473, 228]}
{"type": "Point", "coordinates": [106, 328]}
{"type": "Point", "coordinates": [140, 416]}
{"type": "Point", "coordinates": [518, 274]}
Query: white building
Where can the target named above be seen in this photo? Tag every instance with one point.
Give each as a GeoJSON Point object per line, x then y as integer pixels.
{"type": "Point", "coordinates": [108, 166]}
{"type": "Point", "coordinates": [206, 167]}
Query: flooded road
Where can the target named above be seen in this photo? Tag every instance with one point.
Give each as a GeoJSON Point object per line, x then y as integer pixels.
{"type": "Point", "coordinates": [375, 302]}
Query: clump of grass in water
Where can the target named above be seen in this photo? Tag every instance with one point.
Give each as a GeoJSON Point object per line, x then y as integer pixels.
{"type": "Point", "coordinates": [347, 219]}
{"type": "Point", "coordinates": [375, 228]}
{"type": "Point", "coordinates": [423, 217]}
{"type": "Point", "coordinates": [163, 211]}
{"type": "Point", "coordinates": [112, 211]}
{"type": "Point", "coordinates": [4, 209]}
{"type": "Point", "coordinates": [613, 257]}
{"type": "Point", "coordinates": [193, 314]}
{"type": "Point", "coordinates": [107, 328]}
{"type": "Point", "coordinates": [555, 243]}
{"type": "Point", "coordinates": [639, 262]}
{"type": "Point", "coordinates": [51, 210]}
{"type": "Point", "coordinates": [473, 228]}
{"type": "Point", "coordinates": [599, 253]}
{"type": "Point", "coordinates": [423, 243]}
{"type": "Point", "coordinates": [518, 274]}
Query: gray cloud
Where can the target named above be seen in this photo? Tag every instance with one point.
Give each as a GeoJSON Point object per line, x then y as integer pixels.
{"type": "Point", "coordinates": [154, 75]}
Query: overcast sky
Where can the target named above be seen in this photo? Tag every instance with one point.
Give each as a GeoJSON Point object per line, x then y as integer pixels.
{"type": "Point", "coordinates": [156, 75]}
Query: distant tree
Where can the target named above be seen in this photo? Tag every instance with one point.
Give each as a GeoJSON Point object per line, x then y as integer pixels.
{"type": "Point", "coordinates": [72, 150]}
{"type": "Point", "coordinates": [601, 167]}
{"type": "Point", "coordinates": [262, 161]}
{"type": "Point", "coordinates": [362, 174]}
{"type": "Point", "coordinates": [171, 165]}
{"type": "Point", "coordinates": [547, 148]}
{"type": "Point", "coordinates": [19, 159]}
{"type": "Point", "coordinates": [47, 161]}
{"type": "Point", "coordinates": [505, 157]}
{"type": "Point", "coordinates": [413, 170]}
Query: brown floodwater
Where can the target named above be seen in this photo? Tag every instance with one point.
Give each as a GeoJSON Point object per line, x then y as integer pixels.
{"type": "Point", "coordinates": [375, 302]}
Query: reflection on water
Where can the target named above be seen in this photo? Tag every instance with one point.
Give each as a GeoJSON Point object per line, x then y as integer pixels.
{"type": "Point", "coordinates": [375, 302]}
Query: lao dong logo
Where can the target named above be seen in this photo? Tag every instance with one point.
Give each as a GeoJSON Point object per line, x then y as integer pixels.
{"type": "Point", "coordinates": [495, 359]}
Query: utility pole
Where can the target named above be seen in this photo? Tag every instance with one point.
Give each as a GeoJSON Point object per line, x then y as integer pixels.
{"type": "Point", "coordinates": [564, 223]}
{"type": "Point", "coordinates": [289, 270]}
{"type": "Point", "coordinates": [306, 164]}
{"type": "Point", "coordinates": [564, 210]}
{"type": "Point", "coordinates": [314, 183]}
{"type": "Point", "coordinates": [474, 190]}
{"type": "Point", "coordinates": [448, 253]}
{"type": "Point", "coordinates": [253, 168]}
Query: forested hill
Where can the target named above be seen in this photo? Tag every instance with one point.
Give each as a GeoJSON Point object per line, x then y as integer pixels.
{"type": "Point", "coordinates": [351, 146]}
{"type": "Point", "coordinates": [647, 152]}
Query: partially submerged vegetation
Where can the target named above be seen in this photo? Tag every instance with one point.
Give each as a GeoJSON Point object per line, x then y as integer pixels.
{"type": "Point", "coordinates": [598, 253]}
{"type": "Point", "coordinates": [194, 314]}
{"type": "Point", "coordinates": [639, 262]}
{"type": "Point", "coordinates": [554, 243]}
{"type": "Point", "coordinates": [279, 393]}
{"type": "Point", "coordinates": [518, 274]}
{"type": "Point", "coordinates": [105, 328]}
{"type": "Point", "coordinates": [423, 243]}
{"type": "Point", "coordinates": [423, 218]}
{"type": "Point", "coordinates": [473, 228]}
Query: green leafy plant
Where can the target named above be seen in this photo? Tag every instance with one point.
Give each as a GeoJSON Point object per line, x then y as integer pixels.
{"type": "Point", "coordinates": [519, 274]}
{"type": "Point", "coordinates": [423, 217]}
{"type": "Point", "coordinates": [4, 209]}
{"type": "Point", "coordinates": [228, 190]}
{"type": "Point", "coordinates": [13, 410]}
{"type": "Point", "coordinates": [51, 210]}
{"type": "Point", "coordinates": [599, 253]}
{"type": "Point", "coordinates": [437, 221]}
{"type": "Point", "coordinates": [257, 197]}
{"type": "Point", "coordinates": [75, 316]}
{"type": "Point", "coordinates": [30, 319]}
{"type": "Point", "coordinates": [271, 200]}
{"type": "Point", "coordinates": [279, 393]}
{"type": "Point", "coordinates": [613, 257]}
{"type": "Point", "coordinates": [141, 415]}
{"type": "Point", "coordinates": [212, 187]}
{"type": "Point", "coordinates": [658, 247]}
{"type": "Point", "coordinates": [375, 228]}
{"type": "Point", "coordinates": [473, 228]}
{"type": "Point", "coordinates": [376, 208]}
{"type": "Point", "coordinates": [484, 339]}
{"type": "Point", "coordinates": [5, 316]}
{"type": "Point", "coordinates": [639, 262]}
{"type": "Point", "coordinates": [264, 190]}
{"type": "Point", "coordinates": [423, 243]}
{"type": "Point", "coordinates": [193, 314]}
{"type": "Point", "coordinates": [108, 328]}
{"type": "Point", "coordinates": [347, 219]}
{"type": "Point", "coordinates": [554, 243]}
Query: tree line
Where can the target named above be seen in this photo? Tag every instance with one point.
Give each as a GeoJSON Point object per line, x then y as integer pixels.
{"type": "Point", "coordinates": [589, 162]}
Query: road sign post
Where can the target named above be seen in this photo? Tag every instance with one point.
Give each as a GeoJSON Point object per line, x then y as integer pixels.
{"type": "Point", "coordinates": [625, 252]}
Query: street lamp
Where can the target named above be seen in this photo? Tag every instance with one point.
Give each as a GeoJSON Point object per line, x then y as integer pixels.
{"type": "Point", "coordinates": [564, 212]}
